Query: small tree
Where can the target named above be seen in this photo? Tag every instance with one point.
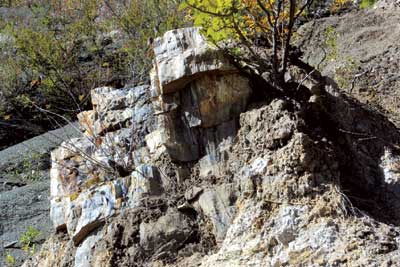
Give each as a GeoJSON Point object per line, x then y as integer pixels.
{"type": "Point", "coordinates": [263, 28]}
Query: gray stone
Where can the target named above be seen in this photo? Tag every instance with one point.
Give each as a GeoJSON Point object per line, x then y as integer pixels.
{"type": "Point", "coordinates": [387, 4]}
{"type": "Point", "coordinates": [286, 224]}
{"type": "Point", "coordinates": [193, 193]}
{"type": "Point", "coordinates": [108, 98]}
{"type": "Point", "coordinates": [166, 234]}
{"type": "Point", "coordinates": [218, 205]}
{"type": "Point", "coordinates": [92, 207]}
{"type": "Point", "coordinates": [113, 108]}
{"type": "Point", "coordinates": [20, 208]}
{"type": "Point", "coordinates": [145, 182]}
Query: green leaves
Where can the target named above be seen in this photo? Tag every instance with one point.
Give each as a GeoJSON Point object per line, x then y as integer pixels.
{"type": "Point", "coordinates": [367, 3]}
{"type": "Point", "coordinates": [10, 260]}
{"type": "Point", "coordinates": [216, 17]}
{"type": "Point", "coordinates": [142, 21]}
{"type": "Point", "coordinates": [27, 239]}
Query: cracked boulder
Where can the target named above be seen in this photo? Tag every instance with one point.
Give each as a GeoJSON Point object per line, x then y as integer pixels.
{"type": "Point", "coordinates": [183, 55]}
{"type": "Point", "coordinates": [197, 95]}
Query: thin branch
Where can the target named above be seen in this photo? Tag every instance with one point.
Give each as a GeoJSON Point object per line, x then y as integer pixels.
{"type": "Point", "coordinates": [233, 10]}
{"type": "Point", "coordinates": [292, 10]}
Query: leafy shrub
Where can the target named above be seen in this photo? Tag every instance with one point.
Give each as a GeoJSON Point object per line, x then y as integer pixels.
{"type": "Point", "coordinates": [66, 48]}
{"type": "Point", "coordinates": [27, 239]}
{"type": "Point", "coordinates": [43, 66]}
{"type": "Point", "coordinates": [367, 3]}
{"type": "Point", "coordinates": [249, 24]}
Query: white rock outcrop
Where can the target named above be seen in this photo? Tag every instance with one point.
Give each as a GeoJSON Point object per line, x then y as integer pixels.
{"type": "Point", "coordinates": [88, 181]}
{"type": "Point", "coordinates": [194, 88]}
{"type": "Point", "coordinates": [182, 55]}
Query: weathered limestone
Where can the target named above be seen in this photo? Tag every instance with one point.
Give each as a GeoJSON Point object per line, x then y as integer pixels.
{"type": "Point", "coordinates": [197, 96]}
{"type": "Point", "coordinates": [196, 92]}
{"type": "Point", "coordinates": [198, 189]}
{"type": "Point", "coordinates": [114, 109]}
{"type": "Point", "coordinates": [90, 176]}
{"type": "Point", "coordinates": [183, 55]}
{"type": "Point", "coordinates": [92, 207]}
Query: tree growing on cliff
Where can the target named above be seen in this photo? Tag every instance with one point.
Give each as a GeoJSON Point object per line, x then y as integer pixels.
{"type": "Point", "coordinates": [262, 28]}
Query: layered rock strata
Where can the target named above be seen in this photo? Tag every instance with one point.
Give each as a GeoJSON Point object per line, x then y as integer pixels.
{"type": "Point", "coordinates": [209, 179]}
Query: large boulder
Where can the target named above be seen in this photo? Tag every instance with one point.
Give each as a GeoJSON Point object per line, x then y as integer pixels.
{"type": "Point", "coordinates": [195, 92]}
{"type": "Point", "coordinates": [183, 55]}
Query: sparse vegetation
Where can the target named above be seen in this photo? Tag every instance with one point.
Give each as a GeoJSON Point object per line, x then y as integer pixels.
{"type": "Point", "coordinates": [344, 72]}
{"type": "Point", "coordinates": [367, 3]}
{"type": "Point", "coordinates": [63, 49]}
{"type": "Point", "coordinates": [29, 169]}
{"type": "Point", "coordinates": [27, 241]}
{"type": "Point", "coordinates": [331, 43]}
{"type": "Point", "coordinates": [10, 260]}
{"type": "Point", "coordinates": [261, 29]}
{"type": "Point", "coordinates": [28, 238]}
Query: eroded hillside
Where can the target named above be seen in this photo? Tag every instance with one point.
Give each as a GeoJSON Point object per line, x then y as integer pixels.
{"type": "Point", "coordinates": [214, 163]}
{"type": "Point", "coordinates": [224, 172]}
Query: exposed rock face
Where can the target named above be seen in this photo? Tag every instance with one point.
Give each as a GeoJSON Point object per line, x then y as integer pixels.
{"type": "Point", "coordinates": [195, 91]}
{"type": "Point", "coordinates": [189, 117]}
{"type": "Point", "coordinates": [181, 56]}
{"type": "Point", "coordinates": [90, 177]}
{"type": "Point", "coordinates": [113, 168]}
{"type": "Point", "coordinates": [210, 181]}
{"type": "Point", "coordinates": [114, 109]}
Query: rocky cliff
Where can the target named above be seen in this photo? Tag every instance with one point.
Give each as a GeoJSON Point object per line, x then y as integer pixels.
{"type": "Point", "coordinates": [208, 167]}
